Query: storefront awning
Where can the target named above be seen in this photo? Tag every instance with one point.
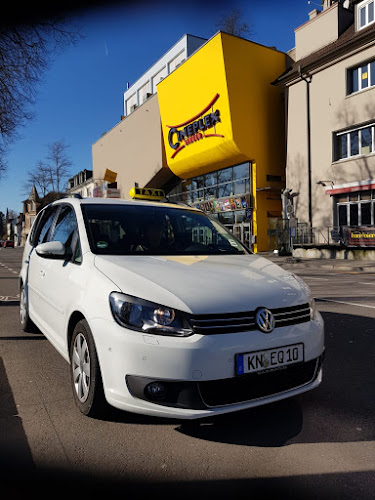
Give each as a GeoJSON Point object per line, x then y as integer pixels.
{"type": "Point", "coordinates": [351, 187]}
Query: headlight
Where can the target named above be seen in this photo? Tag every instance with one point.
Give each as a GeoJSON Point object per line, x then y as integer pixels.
{"type": "Point", "coordinates": [313, 308]}
{"type": "Point", "coordinates": [306, 288]}
{"type": "Point", "coordinates": [148, 317]}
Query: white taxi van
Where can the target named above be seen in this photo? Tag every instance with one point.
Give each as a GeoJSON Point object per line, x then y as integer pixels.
{"type": "Point", "coordinates": [160, 310]}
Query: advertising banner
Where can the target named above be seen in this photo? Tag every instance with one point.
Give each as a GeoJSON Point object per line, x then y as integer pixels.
{"type": "Point", "coordinates": [361, 236]}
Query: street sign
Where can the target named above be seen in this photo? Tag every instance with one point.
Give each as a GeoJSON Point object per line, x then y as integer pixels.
{"type": "Point", "coordinates": [110, 176]}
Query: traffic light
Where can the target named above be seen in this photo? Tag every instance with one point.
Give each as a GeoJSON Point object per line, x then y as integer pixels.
{"type": "Point", "coordinates": [288, 202]}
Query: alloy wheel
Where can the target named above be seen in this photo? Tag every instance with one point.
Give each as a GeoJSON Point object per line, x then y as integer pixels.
{"type": "Point", "coordinates": [81, 367]}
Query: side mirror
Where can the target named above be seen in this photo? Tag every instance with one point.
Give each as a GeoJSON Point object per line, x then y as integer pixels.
{"type": "Point", "coordinates": [53, 250]}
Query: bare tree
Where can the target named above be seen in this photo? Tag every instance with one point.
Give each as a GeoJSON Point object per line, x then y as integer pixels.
{"type": "Point", "coordinates": [25, 54]}
{"type": "Point", "coordinates": [40, 178]}
{"type": "Point", "coordinates": [233, 24]}
{"type": "Point", "coordinates": [52, 174]}
{"type": "Point", "coordinates": [58, 165]}
{"type": "Point", "coordinates": [3, 164]}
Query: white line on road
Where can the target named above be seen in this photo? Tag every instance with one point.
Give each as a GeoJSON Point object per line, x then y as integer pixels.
{"type": "Point", "coordinates": [364, 283]}
{"type": "Point", "coordinates": [347, 303]}
{"type": "Point", "coordinates": [315, 278]}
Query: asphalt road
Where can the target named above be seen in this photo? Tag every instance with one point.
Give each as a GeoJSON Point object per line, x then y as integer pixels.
{"type": "Point", "coordinates": [317, 446]}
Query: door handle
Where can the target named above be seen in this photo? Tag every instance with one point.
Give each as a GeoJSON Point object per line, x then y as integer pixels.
{"type": "Point", "coordinates": [42, 273]}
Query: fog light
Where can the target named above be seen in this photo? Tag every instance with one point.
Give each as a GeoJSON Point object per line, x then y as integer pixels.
{"type": "Point", "coordinates": [156, 391]}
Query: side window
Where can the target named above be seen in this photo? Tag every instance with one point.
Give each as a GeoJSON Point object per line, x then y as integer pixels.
{"type": "Point", "coordinates": [43, 228]}
{"type": "Point", "coordinates": [65, 226]}
{"type": "Point", "coordinates": [77, 257]}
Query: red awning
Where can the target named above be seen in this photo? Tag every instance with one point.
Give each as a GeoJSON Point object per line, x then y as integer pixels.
{"type": "Point", "coordinates": [352, 187]}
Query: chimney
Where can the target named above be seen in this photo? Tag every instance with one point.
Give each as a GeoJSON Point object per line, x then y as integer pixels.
{"type": "Point", "coordinates": [313, 13]}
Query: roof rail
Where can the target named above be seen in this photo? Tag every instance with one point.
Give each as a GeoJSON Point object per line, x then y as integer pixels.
{"type": "Point", "coordinates": [73, 195]}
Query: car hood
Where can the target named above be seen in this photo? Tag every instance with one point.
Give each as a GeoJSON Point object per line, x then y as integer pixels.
{"type": "Point", "coordinates": [205, 284]}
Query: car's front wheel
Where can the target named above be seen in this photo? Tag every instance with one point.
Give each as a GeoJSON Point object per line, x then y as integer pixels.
{"type": "Point", "coordinates": [85, 373]}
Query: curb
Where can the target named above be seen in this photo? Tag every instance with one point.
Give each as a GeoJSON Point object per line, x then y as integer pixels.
{"type": "Point", "coordinates": [337, 265]}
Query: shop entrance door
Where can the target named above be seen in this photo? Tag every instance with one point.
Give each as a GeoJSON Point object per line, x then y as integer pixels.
{"type": "Point", "coordinates": [241, 231]}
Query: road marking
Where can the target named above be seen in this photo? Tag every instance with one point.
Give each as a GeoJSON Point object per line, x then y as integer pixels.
{"type": "Point", "coordinates": [364, 283]}
{"type": "Point", "coordinates": [9, 298]}
{"type": "Point", "coordinates": [347, 303]}
{"type": "Point", "coordinates": [315, 278]}
{"type": "Point", "coordinates": [8, 268]}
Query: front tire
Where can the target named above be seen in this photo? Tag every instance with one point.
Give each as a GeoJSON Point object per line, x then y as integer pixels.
{"type": "Point", "coordinates": [85, 373]}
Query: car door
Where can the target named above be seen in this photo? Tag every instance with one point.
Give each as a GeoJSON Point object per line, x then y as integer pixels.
{"type": "Point", "coordinates": [35, 270]}
{"type": "Point", "coordinates": [57, 275]}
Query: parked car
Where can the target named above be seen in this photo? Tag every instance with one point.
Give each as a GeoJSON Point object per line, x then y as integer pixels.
{"type": "Point", "coordinates": [160, 310]}
{"type": "Point", "coordinates": [8, 244]}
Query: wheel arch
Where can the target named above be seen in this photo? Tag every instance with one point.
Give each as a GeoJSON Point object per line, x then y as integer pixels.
{"type": "Point", "coordinates": [75, 317]}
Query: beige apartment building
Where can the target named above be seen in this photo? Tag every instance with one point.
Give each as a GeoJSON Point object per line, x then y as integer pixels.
{"type": "Point", "coordinates": [330, 121]}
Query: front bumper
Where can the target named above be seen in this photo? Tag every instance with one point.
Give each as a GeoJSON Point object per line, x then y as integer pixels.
{"type": "Point", "coordinates": [194, 377]}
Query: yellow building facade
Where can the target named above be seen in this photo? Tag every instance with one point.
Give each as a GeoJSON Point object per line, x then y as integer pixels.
{"type": "Point", "coordinates": [212, 136]}
{"type": "Point", "coordinates": [219, 110]}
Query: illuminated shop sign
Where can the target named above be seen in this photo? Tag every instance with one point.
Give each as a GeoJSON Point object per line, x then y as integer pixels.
{"type": "Point", "coordinates": [223, 204]}
{"type": "Point", "coordinates": [359, 237]}
{"type": "Point", "coordinates": [193, 130]}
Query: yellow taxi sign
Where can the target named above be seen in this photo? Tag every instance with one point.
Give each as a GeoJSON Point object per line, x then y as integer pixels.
{"type": "Point", "coordinates": [147, 193]}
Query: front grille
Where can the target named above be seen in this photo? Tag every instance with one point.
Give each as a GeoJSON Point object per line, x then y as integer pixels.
{"type": "Point", "coordinates": [208, 324]}
{"type": "Point", "coordinates": [257, 385]}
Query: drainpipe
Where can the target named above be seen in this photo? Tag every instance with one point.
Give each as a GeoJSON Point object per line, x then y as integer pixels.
{"type": "Point", "coordinates": [308, 79]}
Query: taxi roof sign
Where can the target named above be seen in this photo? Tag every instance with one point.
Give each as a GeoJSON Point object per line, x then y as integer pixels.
{"type": "Point", "coordinates": [147, 194]}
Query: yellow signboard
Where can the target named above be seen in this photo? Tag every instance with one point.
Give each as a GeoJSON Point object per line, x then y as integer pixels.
{"type": "Point", "coordinates": [219, 108]}
{"type": "Point", "coordinates": [147, 194]}
{"type": "Point", "coordinates": [110, 176]}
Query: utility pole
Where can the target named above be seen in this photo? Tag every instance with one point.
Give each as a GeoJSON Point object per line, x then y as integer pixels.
{"type": "Point", "coordinates": [308, 79]}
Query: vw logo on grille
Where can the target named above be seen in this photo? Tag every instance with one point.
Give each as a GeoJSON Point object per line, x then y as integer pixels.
{"type": "Point", "coordinates": [265, 320]}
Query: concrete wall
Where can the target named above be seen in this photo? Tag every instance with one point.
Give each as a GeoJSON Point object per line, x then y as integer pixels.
{"type": "Point", "coordinates": [133, 148]}
{"type": "Point", "coordinates": [317, 32]}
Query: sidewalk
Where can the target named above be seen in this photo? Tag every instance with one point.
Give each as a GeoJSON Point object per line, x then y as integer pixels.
{"type": "Point", "coordinates": [289, 262]}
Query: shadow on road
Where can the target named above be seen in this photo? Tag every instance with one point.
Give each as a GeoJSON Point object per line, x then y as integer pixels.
{"type": "Point", "coordinates": [14, 449]}
{"type": "Point", "coordinates": [46, 483]}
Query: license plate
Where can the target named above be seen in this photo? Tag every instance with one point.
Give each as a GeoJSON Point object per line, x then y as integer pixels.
{"type": "Point", "coordinates": [257, 361]}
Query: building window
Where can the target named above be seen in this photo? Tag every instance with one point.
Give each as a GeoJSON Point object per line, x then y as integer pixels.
{"type": "Point", "coordinates": [356, 209]}
{"type": "Point", "coordinates": [176, 61]}
{"type": "Point", "coordinates": [158, 78]}
{"type": "Point", "coordinates": [144, 92]}
{"type": "Point", "coordinates": [361, 77]}
{"type": "Point", "coordinates": [225, 193]}
{"type": "Point", "coordinates": [355, 142]}
{"type": "Point", "coordinates": [365, 14]}
{"type": "Point", "coordinates": [131, 104]}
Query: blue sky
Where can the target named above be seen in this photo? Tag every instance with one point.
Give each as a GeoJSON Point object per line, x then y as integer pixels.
{"type": "Point", "coordinates": [82, 94]}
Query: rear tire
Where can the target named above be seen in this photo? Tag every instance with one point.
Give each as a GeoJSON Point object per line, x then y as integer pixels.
{"type": "Point", "coordinates": [85, 373]}
{"type": "Point", "coordinates": [26, 324]}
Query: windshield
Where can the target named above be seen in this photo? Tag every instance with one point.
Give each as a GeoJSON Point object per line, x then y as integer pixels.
{"type": "Point", "coordinates": [136, 230]}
